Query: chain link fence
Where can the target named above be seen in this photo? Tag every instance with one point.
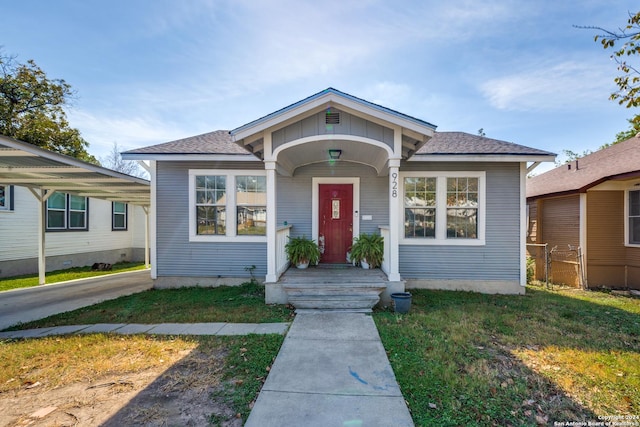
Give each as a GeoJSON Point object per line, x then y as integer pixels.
{"type": "Point", "coordinates": [556, 265]}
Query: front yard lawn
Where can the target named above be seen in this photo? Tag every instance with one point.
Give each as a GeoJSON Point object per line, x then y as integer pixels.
{"type": "Point", "coordinates": [236, 304]}
{"type": "Point", "coordinates": [549, 356]}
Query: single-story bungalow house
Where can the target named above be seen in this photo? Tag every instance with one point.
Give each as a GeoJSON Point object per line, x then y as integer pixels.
{"type": "Point", "coordinates": [592, 203]}
{"type": "Point", "coordinates": [451, 206]}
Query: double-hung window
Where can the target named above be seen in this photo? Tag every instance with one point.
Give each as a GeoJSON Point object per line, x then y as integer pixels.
{"type": "Point", "coordinates": [443, 208]}
{"type": "Point", "coordinates": [66, 212]}
{"type": "Point", "coordinates": [251, 202]}
{"type": "Point", "coordinates": [119, 213]}
{"type": "Point", "coordinates": [226, 205]}
{"type": "Point", "coordinates": [210, 197]}
{"type": "Point", "coordinates": [633, 217]}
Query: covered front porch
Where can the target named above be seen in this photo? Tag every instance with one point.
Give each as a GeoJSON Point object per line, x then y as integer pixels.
{"type": "Point", "coordinates": [332, 172]}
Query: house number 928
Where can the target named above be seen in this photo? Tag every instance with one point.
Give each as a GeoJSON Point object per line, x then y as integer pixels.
{"type": "Point", "coordinates": [394, 185]}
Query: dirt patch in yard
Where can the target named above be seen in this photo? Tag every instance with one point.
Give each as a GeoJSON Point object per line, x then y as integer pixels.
{"type": "Point", "coordinates": [179, 391]}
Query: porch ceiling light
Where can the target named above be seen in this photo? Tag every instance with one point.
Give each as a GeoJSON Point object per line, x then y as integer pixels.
{"type": "Point", "coordinates": [335, 154]}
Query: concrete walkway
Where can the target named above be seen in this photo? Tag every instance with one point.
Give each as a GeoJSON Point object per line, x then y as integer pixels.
{"type": "Point", "coordinates": [158, 329]}
{"type": "Point", "coordinates": [331, 371]}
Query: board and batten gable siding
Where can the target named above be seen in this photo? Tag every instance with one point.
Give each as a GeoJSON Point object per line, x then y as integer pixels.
{"type": "Point", "coordinates": [316, 125]}
{"type": "Point", "coordinates": [499, 258]}
{"type": "Point", "coordinates": [606, 253]}
{"type": "Point", "coordinates": [176, 255]}
{"type": "Point", "coordinates": [294, 195]}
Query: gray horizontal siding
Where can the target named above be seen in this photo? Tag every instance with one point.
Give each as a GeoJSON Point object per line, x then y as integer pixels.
{"type": "Point", "coordinates": [349, 125]}
{"type": "Point", "coordinates": [179, 257]}
{"type": "Point", "coordinates": [499, 259]}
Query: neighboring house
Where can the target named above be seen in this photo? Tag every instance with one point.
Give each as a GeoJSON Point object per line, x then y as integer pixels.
{"type": "Point", "coordinates": [592, 203]}
{"type": "Point", "coordinates": [90, 214]}
{"type": "Point", "coordinates": [451, 206]}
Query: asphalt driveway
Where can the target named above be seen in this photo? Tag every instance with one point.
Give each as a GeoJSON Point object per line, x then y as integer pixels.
{"type": "Point", "coordinates": [25, 305]}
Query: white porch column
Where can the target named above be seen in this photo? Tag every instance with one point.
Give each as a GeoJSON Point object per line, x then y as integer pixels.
{"type": "Point", "coordinates": [272, 274]}
{"type": "Point", "coordinates": [394, 219]}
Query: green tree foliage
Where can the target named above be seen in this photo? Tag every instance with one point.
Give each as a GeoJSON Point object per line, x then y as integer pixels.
{"type": "Point", "coordinates": [626, 56]}
{"type": "Point", "coordinates": [628, 93]}
{"type": "Point", "coordinates": [32, 109]}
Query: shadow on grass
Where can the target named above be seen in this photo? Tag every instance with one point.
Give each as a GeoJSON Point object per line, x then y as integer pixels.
{"type": "Point", "coordinates": [214, 384]}
{"type": "Point", "coordinates": [474, 359]}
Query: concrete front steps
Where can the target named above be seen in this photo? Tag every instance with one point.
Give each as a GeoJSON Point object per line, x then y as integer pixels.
{"type": "Point", "coordinates": [341, 287]}
{"type": "Point", "coordinates": [332, 296]}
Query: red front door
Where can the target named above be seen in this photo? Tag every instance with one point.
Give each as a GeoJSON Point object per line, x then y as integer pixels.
{"type": "Point", "coordinates": [335, 221]}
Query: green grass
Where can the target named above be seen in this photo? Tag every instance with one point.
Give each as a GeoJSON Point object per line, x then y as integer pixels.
{"type": "Point", "coordinates": [248, 363]}
{"type": "Point", "coordinates": [237, 304]}
{"type": "Point", "coordinates": [472, 359]}
{"type": "Point", "coordinates": [30, 280]}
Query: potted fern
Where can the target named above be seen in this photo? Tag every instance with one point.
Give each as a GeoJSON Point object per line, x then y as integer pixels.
{"type": "Point", "coordinates": [302, 251]}
{"type": "Point", "coordinates": [368, 250]}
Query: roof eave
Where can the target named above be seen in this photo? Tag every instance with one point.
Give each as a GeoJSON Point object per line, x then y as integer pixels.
{"type": "Point", "coordinates": [482, 158]}
{"type": "Point", "coordinates": [68, 160]}
{"type": "Point", "coordinates": [190, 157]}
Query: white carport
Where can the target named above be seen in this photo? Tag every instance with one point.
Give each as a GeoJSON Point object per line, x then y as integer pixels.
{"type": "Point", "coordinates": [44, 172]}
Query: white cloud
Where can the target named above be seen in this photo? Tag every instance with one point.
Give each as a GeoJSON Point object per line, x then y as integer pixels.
{"type": "Point", "coordinates": [389, 94]}
{"type": "Point", "coordinates": [548, 87]}
{"type": "Point", "coordinates": [102, 130]}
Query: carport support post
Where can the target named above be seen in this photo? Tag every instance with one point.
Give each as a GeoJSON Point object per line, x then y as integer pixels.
{"type": "Point", "coordinates": [42, 197]}
{"type": "Point", "coordinates": [394, 219]}
{"type": "Point", "coordinates": [146, 236]}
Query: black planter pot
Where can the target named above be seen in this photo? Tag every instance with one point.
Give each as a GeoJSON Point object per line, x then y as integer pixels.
{"type": "Point", "coordinates": [401, 301]}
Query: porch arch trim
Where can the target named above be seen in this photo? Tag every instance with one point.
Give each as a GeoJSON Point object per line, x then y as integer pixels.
{"type": "Point", "coordinates": [332, 137]}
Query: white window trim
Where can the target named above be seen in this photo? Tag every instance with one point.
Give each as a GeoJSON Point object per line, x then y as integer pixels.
{"type": "Point", "coordinates": [7, 199]}
{"type": "Point", "coordinates": [65, 210]}
{"type": "Point", "coordinates": [83, 211]}
{"type": "Point", "coordinates": [125, 214]}
{"type": "Point", "coordinates": [626, 218]}
{"type": "Point", "coordinates": [231, 233]}
{"type": "Point", "coordinates": [441, 209]}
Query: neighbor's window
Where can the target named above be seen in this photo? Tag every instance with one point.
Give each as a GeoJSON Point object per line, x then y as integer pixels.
{"type": "Point", "coordinates": [634, 217]}
{"type": "Point", "coordinates": [77, 212]}
{"type": "Point", "coordinates": [4, 198]}
{"type": "Point", "coordinates": [462, 208]}
{"type": "Point", "coordinates": [419, 207]}
{"type": "Point", "coordinates": [443, 207]}
{"type": "Point", "coordinates": [251, 202]}
{"type": "Point", "coordinates": [67, 212]}
{"type": "Point", "coordinates": [119, 216]}
{"type": "Point", "coordinates": [210, 204]}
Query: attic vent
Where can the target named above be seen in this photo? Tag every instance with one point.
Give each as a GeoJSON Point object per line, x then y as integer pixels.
{"type": "Point", "coordinates": [332, 118]}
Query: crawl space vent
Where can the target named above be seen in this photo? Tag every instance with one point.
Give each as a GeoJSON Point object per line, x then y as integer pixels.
{"type": "Point", "coordinates": [332, 118]}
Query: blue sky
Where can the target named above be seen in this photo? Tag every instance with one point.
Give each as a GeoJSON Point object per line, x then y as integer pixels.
{"type": "Point", "coordinates": [151, 71]}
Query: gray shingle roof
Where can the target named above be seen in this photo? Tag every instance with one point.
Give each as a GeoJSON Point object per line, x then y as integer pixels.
{"type": "Point", "coordinates": [444, 143]}
{"type": "Point", "coordinates": [617, 161]}
{"type": "Point", "coordinates": [216, 142]}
